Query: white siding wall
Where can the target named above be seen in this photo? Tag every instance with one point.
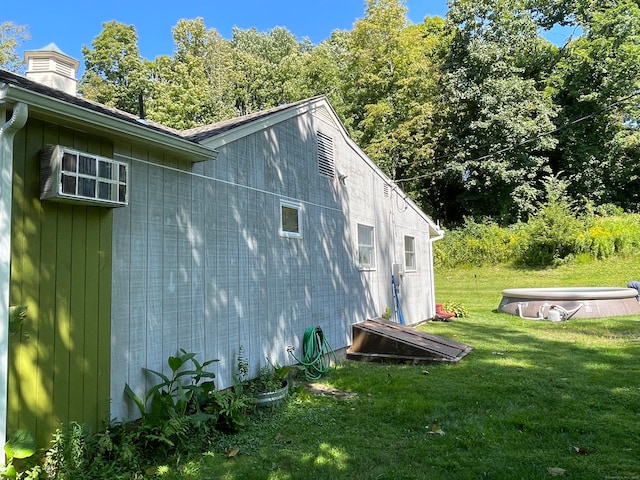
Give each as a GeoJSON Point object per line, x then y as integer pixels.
{"type": "Point", "coordinates": [199, 263]}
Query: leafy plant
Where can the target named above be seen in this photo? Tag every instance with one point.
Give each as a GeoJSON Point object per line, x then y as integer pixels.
{"type": "Point", "coordinates": [77, 453]}
{"type": "Point", "coordinates": [230, 407]}
{"type": "Point", "coordinates": [455, 307]}
{"type": "Point", "coordinates": [270, 378]}
{"type": "Point", "coordinates": [21, 445]}
{"type": "Point", "coordinates": [174, 394]}
{"type": "Point", "coordinates": [242, 367]}
{"type": "Point", "coordinates": [172, 409]}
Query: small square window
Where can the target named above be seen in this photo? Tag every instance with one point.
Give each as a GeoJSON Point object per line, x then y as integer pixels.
{"type": "Point", "coordinates": [410, 253]}
{"type": "Point", "coordinates": [290, 220]}
{"type": "Point", "coordinates": [366, 250]}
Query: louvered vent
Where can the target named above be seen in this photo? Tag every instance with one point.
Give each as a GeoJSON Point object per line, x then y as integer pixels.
{"type": "Point", "coordinates": [40, 65]}
{"type": "Point", "coordinates": [65, 69]}
{"type": "Point", "coordinates": [385, 189]}
{"type": "Point", "coordinates": [325, 155]}
{"type": "Point", "coordinates": [75, 177]}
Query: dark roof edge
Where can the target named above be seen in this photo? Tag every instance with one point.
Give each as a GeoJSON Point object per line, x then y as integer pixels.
{"type": "Point", "coordinates": [47, 102]}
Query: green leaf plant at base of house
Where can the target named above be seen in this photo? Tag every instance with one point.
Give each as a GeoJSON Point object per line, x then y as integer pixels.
{"type": "Point", "coordinates": [20, 447]}
{"type": "Point", "coordinates": [172, 409]}
{"type": "Point", "coordinates": [176, 394]}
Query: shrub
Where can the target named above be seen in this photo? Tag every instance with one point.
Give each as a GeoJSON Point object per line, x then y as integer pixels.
{"type": "Point", "coordinates": [556, 234]}
{"type": "Point", "coordinates": [475, 243]}
{"type": "Point", "coordinates": [77, 453]}
{"type": "Point", "coordinates": [613, 235]}
{"type": "Point", "coordinates": [173, 409]}
{"type": "Point", "coordinates": [455, 307]}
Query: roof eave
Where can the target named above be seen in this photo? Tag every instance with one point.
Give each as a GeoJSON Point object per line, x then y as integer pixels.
{"type": "Point", "coordinates": [47, 108]}
{"type": "Point", "coordinates": [220, 139]}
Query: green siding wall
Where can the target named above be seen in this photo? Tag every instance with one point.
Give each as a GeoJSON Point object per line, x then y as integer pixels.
{"type": "Point", "coordinates": [61, 270]}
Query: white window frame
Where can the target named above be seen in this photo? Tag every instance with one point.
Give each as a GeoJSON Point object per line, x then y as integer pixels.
{"type": "Point", "coordinates": [72, 176]}
{"type": "Point", "coordinates": [410, 253]}
{"type": "Point", "coordinates": [292, 206]}
{"type": "Point", "coordinates": [371, 248]}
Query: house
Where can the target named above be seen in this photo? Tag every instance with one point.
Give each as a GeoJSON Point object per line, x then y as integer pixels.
{"type": "Point", "coordinates": [129, 241]}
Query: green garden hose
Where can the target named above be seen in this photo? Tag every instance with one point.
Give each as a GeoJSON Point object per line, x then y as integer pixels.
{"type": "Point", "coordinates": [317, 354]}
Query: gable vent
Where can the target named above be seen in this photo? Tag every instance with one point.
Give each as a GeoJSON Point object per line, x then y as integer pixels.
{"type": "Point", "coordinates": [385, 189]}
{"type": "Point", "coordinates": [325, 155]}
{"type": "Point", "coordinates": [71, 176]}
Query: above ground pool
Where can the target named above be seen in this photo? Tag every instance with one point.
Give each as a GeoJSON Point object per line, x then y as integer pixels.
{"type": "Point", "coordinates": [558, 304]}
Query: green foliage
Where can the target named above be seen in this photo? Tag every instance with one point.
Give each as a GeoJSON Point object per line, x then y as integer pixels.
{"type": "Point", "coordinates": [19, 449]}
{"type": "Point", "coordinates": [115, 73]}
{"type": "Point", "coordinates": [596, 79]}
{"type": "Point", "coordinates": [173, 395]}
{"type": "Point", "coordinates": [172, 409]}
{"type": "Point", "coordinates": [613, 235]}
{"type": "Point", "coordinates": [553, 236]}
{"type": "Point", "coordinates": [230, 407]}
{"type": "Point", "coordinates": [476, 243]}
{"type": "Point", "coordinates": [270, 378]}
{"type": "Point", "coordinates": [11, 37]}
{"type": "Point", "coordinates": [455, 307]}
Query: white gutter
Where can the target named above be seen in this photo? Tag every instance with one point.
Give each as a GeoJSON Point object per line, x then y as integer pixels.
{"type": "Point", "coordinates": [87, 119]}
{"type": "Point", "coordinates": [7, 132]}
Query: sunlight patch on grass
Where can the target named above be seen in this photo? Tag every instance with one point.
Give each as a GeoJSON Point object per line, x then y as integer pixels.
{"type": "Point", "coordinates": [328, 456]}
{"type": "Point", "coordinates": [508, 360]}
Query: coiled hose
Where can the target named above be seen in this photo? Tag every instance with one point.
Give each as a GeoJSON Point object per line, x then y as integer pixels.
{"type": "Point", "coordinates": [316, 352]}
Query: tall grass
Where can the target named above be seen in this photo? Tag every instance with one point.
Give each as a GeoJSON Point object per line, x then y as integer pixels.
{"type": "Point", "coordinates": [553, 237]}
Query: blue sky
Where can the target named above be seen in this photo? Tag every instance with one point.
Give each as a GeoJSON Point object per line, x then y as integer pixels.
{"type": "Point", "coordinates": [72, 24]}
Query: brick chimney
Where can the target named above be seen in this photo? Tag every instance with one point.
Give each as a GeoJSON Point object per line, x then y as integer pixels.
{"type": "Point", "coordinates": [53, 68]}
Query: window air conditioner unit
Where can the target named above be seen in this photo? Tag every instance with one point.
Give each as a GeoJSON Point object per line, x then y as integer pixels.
{"type": "Point", "coordinates": [71, 176]}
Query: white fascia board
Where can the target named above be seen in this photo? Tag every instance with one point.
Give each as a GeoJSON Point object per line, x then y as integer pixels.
{"type": "Point", "coordinates": [85, 119]}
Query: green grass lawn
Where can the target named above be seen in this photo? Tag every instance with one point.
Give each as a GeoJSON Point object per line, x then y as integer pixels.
{"type": "Point", "coordinates": [533, 400]}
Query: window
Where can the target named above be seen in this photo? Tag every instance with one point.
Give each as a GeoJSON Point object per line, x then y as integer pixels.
{"type": "Point", "coordinates": [410, 253]}
{"type": "Point", "coordinates": [325, 155]}
{"type": "Point", "coordinates": [366, 251]}
{"type": "Point", "coordinates": [290, 220]}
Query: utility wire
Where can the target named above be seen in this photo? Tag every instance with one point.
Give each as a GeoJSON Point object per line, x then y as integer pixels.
{"type": "Point", "coordinates": [525, 142]}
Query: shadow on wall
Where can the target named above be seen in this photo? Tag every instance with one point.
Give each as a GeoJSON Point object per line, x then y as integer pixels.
{"type": "Point", "coordinates": [60, 269]}
{"type": "Point", "coordinates": [270, 287]}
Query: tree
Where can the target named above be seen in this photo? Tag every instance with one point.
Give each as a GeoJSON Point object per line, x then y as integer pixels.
{"type": "Point", "coordinates": [115, 74]}
{"type": "Point", "coordinates": [318, 70]}
{"type": "Point", "coordinates": [494, 113]}
{"type": "Point", "coordinates": [263, 64]}
{"type": "Point", "coordinates": [193, 87]}
{"type": "Point", "coordinates": [389, 87]}
{"type": "Point", "coordinates": [595, 86]}
{"type": "Point", "coordinates": [11, 37]}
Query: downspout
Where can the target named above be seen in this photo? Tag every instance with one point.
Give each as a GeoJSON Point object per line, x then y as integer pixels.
{"type": "Point", "coordinates": [7, 133]}
{"type": "Point", "coordinates": [440, 236]}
